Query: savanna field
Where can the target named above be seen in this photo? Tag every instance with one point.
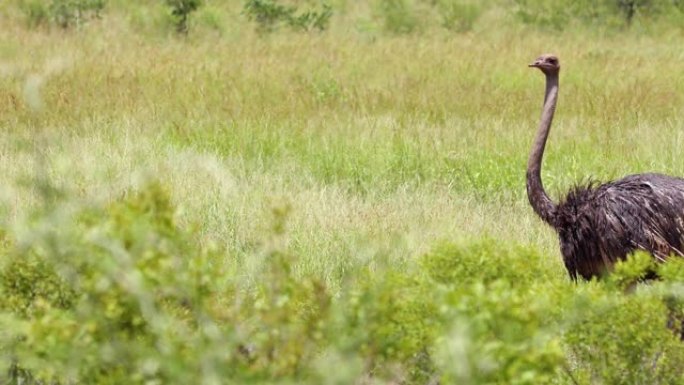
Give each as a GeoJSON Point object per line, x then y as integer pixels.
{"type": "Point", "coordinates": [305, 192]}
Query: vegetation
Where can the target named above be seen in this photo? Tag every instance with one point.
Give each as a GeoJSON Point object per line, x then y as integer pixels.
{"type": "Point", "coordinates": [269, 15]}
{"type": "Point", "coordinates": [181, 10]}
{"type": "Point", "coordinates": [326, 208]}
{"type": "Point", "coordinates": [63, 13]}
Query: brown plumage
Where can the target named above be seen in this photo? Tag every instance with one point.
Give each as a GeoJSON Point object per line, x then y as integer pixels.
{"type": "Point", "coordinates": [599, 224]}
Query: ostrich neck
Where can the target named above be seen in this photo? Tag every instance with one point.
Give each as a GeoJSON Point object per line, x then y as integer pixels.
{"type": "Point", "coordinates": [540, 201]}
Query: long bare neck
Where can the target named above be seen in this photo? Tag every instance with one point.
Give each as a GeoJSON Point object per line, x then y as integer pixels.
{"type": "Point", "coordinates": [540, 201]}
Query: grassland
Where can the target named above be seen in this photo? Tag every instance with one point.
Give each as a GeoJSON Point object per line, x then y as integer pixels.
{"type": "Point", "coordinates": [366, 145]}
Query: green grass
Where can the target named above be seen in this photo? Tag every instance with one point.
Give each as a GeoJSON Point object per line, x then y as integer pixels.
{"type": "Point", "coordinates": [381, 147]}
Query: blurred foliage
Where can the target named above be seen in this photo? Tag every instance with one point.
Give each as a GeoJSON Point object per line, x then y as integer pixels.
{"type": "Point", "coordinates": [393, 16]}
{"type": "Point", "coordinates": [560, 14]}
{"type": "Point", "coordinates": [63, 13]}
{"type": "Point", "coordinates": [503, 328]}
{"type": "Point", "coordinates": [269, 15]}
{"type": "Point", "coordinates": [181, 10]}
{"type": "Point", "coordinates": [122, 293]}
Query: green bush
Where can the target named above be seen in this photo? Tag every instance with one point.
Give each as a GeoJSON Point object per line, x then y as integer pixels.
{"type": "Point", "coordinates": [94, 297]}
{"type": "Point", "coordinates": [121, 292]}
{"type": "Point", "coordinates": [624, 339]}
{"type": "Point", "coordinates": [503, 327]}
{"type": "Point", "coordinates": [482, 261]}
{"type": "Point", "coordinates": [500, 334]}
{"type": "Point", "coordinates": [180, 11]}
{"type": "Point", "coordinates": [63, 13]}
{"type": "Point", "coordinates": [269, 15]}
{"type": "Point", "coordinates": [559, 14]}
{"type": "Point", "coordinates": [392, 320]}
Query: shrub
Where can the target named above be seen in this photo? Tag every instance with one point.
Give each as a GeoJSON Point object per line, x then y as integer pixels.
{"type": "Point", "coordinates": [63, 13]}
{"type": "Point", "coordinates": [94, 297]}
{"type": "Point", "coordinates": [502, 327]}
{"type": "Point", "coordinates": [270, 15]}
{"type": "Point", "coordinates": [122, 292]}
{"type": "Point", "coordinates": [392, 319]}
{"type": "Point", "coordinates": [180, 11]}
{"type": "Point", "coordinates": [559, 14]}
{"type": "Point", "coordinates": [624, 339]}
{"type": "Point", "coordinates": [482, 261]}
{"type": "Point", "coordinates": [636, 268]}
{"type": "Point", "coordinates": [500, 334]}
{"type": "Point", "coordinates": [312, 19]}
{"type": "Point", "coordinates": [283, 323]}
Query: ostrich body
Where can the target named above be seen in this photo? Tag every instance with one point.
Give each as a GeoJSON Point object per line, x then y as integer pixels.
{"type": "Point", "coordinates": [598, 225]}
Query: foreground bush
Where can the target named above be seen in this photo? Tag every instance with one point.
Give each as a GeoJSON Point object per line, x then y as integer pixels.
{"type": "Point", "coordinates": [122, 293]}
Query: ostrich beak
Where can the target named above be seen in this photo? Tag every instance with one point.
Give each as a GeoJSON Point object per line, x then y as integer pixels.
{"type": "Point", "coordinates": [535, 64]}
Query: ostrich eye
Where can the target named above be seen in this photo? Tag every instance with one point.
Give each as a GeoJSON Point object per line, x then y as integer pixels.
{"type": "Point", "coordinates": [552, 61]}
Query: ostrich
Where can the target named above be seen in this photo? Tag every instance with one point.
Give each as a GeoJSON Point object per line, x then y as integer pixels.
{"type": "Point", "coordinates": [598, 225]}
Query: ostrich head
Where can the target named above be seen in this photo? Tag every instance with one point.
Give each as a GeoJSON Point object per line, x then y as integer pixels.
{"type": "Point", "coordinates": [547, 63]}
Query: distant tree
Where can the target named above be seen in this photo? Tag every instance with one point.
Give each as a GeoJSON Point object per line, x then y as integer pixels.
{"type": "Point", "coordinates": [629, 8]}
{"type": "Point", "coordinates": [561, 13]}
{"type": "Point", "coordinates": [63, 13]}
{"type": "Point", "coordinates": [181, 10]}
{"type": "Point", "coordinates": [270, 14]}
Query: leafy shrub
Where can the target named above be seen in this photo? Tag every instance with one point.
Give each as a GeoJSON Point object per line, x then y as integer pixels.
{"type": "Point", "coordinates": [559, 14]}
{"type": "Point", "coordinates": [502, 328]}
{"type": "Point", "coordinates": [628, 329]}
{"type": "Point", "coordinates": [269, 15]}
{"type": "Point", "coordinates": [63, 13]}
{"type": "Point", "coordinates": [482, 261]}
{"type": "Point", "coordinates": [125, 285]}
{"type": "Point", "coordinates": [623, 339]}
{"type": "Point", "coordinates": [393, 321]}
{"type": "Point", "coordinates": [500, 334]}
{"type": "Point", "coordinates": [636, 268]}
{"type": "Point", "coordinates": [672, 270]}
{"type": "Point", "coordinates": [181, 10]}
{"type": "Point", "coordinates": [30, 282]}
{"type": "Point", "coordinates": [312, 19]}
{"type": "Point", "coordinates": [287, 316]}
{"type": "Point", "coordinates": [66, 13]}
{"type": "Point", "coordinates": [121, 292]}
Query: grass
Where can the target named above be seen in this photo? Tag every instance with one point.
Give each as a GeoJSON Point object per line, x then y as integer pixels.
{"type": "Point", "coordinates": [377, 144]}
{"type": "Point", "coordinates": [442, 123]}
